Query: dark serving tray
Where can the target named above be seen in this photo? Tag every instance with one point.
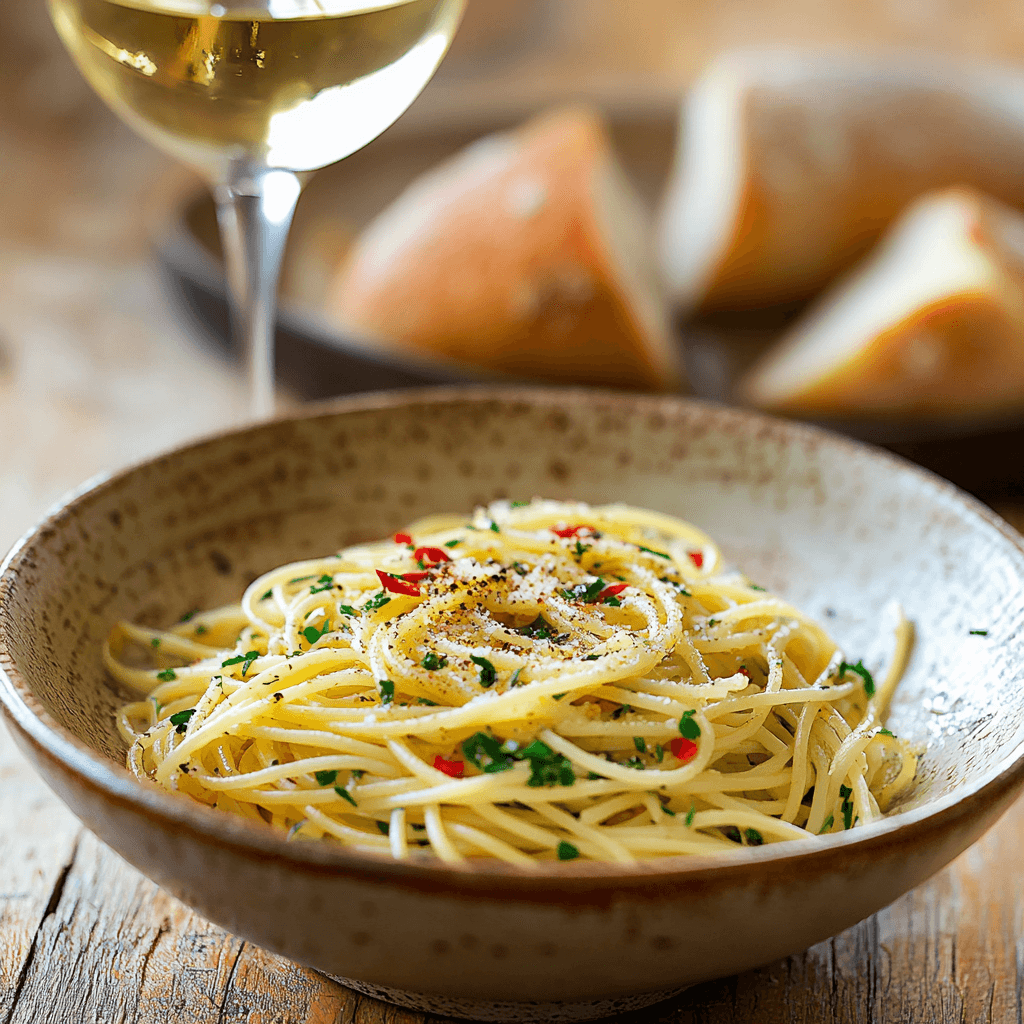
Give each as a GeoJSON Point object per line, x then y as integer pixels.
{"type": "Point", "coordinates": [316, 359]}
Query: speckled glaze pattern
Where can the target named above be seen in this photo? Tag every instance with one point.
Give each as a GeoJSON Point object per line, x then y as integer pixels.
{"type": "Point", "coordinates": [839, 529]}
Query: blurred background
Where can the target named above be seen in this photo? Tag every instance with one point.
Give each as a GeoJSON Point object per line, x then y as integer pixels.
{"type": "Point", "coordinates": [112, 324]}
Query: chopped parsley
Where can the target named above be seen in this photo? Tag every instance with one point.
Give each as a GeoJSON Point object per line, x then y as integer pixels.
{"type": "Point", "coordinates": [754, 838]}
{"type": "Point", "coordinates": [826, 825]}
{"type": "Point", "coordinates": [621, 710]}
{"type": "Point", "coordinates": [326, 582]}
{"type": "Point", "coordinates": [346, 795]}
{"type": "Point", "coordinates": [154, 642]}
{"type": "Point", "coordinates": [635, 762]}
{"type": "Point", "coordinates": [884, 732]}
{"type": "Point", "coordinates": [245, 660]}
{"type": "Point", "coordinates": [688, 728]}
{"type": "Point", "coordinates": [486, 753]}
{"type": "Point", "coordinates": [546, 767]}
{"type": "Point", "coordinates": [732, 833]}
{"type": "Point", "coordinates": [488, 673]}
{"type": "Point", "coordinates": [514, 681]}
{"type": "Point", "coordinates": [581, 549]}
{"type": "Point", "coordinates": [181, 719]}
{"type": "Point", "coordinates": [168, 675]}
{"type": "Point", "coordinates": [303, 579]}
{"type": "Point", "coordinates": [452, 543]}
{"type": "Point", "coordinates": [387, 691]}
{"type": "Point", "coordinates": [201, 629]}
{"type": "Point", "coordinates": [754, 586]}
{"type": "Point", "coordinates": [566, 851]}
{"type": "Point", "coordinates": [384, 827]}
{"type": "Point", "coordinates": [592, 657]}
{"type": "Point", "coordinates": [521, 569]}
{"type": "Point", "coordinates": [613, 601]}
{"type": "Point", "coordinates": [432, 662]}
{"type": "Point", "coordinates": [585, 592]}
{"type": "Point", "coordinates": [267, 594]}
{"type": "Point", "coordinates": [659, 753]}
{"type": "Point", "coordinates": [690, 814]}
{"type": "Point", "coordinates": [188, 616]}
{"type": "Point", "coordinates": [979, 632]}
{"type": "Point", "coordinates": [325, 778]}
{"type": "Point", "coordinates": [429, 703]}
{"type": "Point", "coordinates": [539, 629]}
{"type": "Point", "coordinates": [594, 775]}
{"type": "Point", "coordinates": [869, 683]}
{"type": "Point", "coordinates": [347, 609]}
{"type": "Point", "coordinates": [376, 602]}
{"type": "Point", "coordinates": [312, 634]}
{"type": "Point", "coordinates": [674, 583]}
{"type": "Point", "coordinates": [640, 743]}
{"type": "Point", "coordinates": [520, 504]}
{"type": "Point", "coordinates": [847, 806]}
{"type": "Point", "coordinates": [651, 551]}
{"type": "Point", "coordinates": [494, 527]}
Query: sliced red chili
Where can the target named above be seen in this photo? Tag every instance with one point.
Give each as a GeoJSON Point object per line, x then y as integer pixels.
{"type": "Point", "coordinates": [396, 585]}
{"type": "Point", "coordinates": [403, 538]}
{"type": "Point", "coordinates": [566, 532]}
{"type": "Point", "coordinates": [697, 557]}
{"type": "Point", "coordinates": [455, 769]}
{"type": "Point", "coordinates": [612, 591]}
{"type": "Point", "coordinates": [430, 556]}
{"type": "Point", "coordinates": [415, 577]}
{"type": "Point", "coordinates": [684, 749]}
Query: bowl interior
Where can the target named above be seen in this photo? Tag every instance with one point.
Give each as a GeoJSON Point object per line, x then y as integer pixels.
{"type": "Point", "coordinates": [839, 529]}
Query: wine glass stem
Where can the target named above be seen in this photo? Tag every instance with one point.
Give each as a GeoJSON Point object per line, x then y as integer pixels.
{"type": "Point", "coordinates": [254, 209]}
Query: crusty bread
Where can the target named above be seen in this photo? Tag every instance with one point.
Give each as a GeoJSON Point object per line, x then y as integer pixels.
{"type": "Point", "coordinates": [930, 325]}
{"type": "Point", "coordinates": [791, 165]}
{"type": "Point", "coordinates": [527, 254]}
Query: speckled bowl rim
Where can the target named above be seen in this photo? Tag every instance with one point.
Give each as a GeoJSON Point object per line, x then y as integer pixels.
{"type": "Point", "coordinates": [549, 883]}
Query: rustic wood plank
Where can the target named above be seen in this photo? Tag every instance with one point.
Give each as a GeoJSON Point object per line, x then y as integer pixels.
{"type": "Point", "coordinates": [38, 837]}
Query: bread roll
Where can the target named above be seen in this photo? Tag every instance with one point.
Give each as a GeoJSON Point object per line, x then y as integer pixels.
{"type": "Point", "coordinates": [528, 254]}
{"type": "Point", "coordinates": [790, 166]}
{"type": "Point", "coordinates": [931, 325]}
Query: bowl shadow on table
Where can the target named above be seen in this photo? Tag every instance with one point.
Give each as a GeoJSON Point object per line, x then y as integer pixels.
{"type": "Point", "coordinates": [316, 359]}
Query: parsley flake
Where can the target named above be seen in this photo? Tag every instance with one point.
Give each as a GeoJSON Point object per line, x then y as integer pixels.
{"type": "Point", "coordinates": [312, 634]}
{"type": "Point", "coordinates": [688, 728]}
{"type": "Point", "coordinates": [514, 681]}
{"type": "Point", "coordinates": [754, 838]}
{"type": "Point", "coordinates": [168, 675]}
{"type": "Point", "coordinates": [826, 825]}
{"type": "Point", "coordinates": [376, 602]}
{"type": "Point", "coordinates": [494, 527]}
{"type": "Point", "coordinates": [326, 582]}
{"type": "Point", "coordinates": [452, 543]}
{"type": "Point", "coordinates": [387, 691]}
{"type": "Point", "coordinates": [346, 795]}
{"type": "Point", "coordinates": [690, 814]}
{"type": "Point", "coordinates": [979, 632]}
{"type": "Point", "coordinates": [640, 743]}
{"type": "Point", "coordinates": [566, 851]}
{"type": "Point", "coordinates": [884, 732]}
{"type": "Point", "coordinates": [546, 767]}
{"type": "Point", "coordinates": [432, 662]}
{"type": "Point", "coordinates": [488, 673]}
{"type": "Point", "coordinates": [347, 609]}
{"type": "Point", "coordinates": [325, 778]}
{"type": "Point", "coordinates": [486, 753]}
{"type": "Point", "coordinates": [651, 551]}
{"type": "Point", "coordinates": [245, 660]}
{"type": "Point", "coordinates": [384, 827]}
{"type": "Point", "coordinates": [181, 719]}
{"type": "Point", "coordinates": [869, 683]}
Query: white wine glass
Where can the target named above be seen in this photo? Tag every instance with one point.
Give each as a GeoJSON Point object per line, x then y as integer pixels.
{"type": "Point", "coordinates": [255, 95]}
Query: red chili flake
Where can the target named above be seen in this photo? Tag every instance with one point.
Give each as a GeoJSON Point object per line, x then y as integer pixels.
{"type": "Point", "coordinates": [697, 557]}
{"type": "Point", "coordinates": [455, 769]}
{"type": "Point", "coordinates": [397, 585]}
{"type": "Point", "coordinates": [415, 577]}
{"type": "Point", "coordinates": [745, 672]}
{"type": "Point", "coordinates": [612, 591]}
{"type": "Point", "coordinates": [567, 532]}
{"type": "Point", "coordinates": [403, 538]}
{"type": "Point", "coordinates": [684, 749]}
{"type": "Point", "coordinates": [428, 556]}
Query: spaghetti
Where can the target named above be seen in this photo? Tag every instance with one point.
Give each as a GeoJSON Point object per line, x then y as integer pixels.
{"type": "Point", "coordinates": [547, 680]}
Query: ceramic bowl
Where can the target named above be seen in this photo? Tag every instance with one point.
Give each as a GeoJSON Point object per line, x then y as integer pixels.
{"type": "Point", "coordinates": [836, 527]}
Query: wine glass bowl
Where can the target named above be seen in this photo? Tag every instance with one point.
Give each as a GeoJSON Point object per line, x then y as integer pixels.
{"type": "Point", "coordinates": [254, 94]}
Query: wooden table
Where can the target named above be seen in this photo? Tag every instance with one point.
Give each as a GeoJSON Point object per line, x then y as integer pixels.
{"type": "Point", "coordinates": [95, 372]}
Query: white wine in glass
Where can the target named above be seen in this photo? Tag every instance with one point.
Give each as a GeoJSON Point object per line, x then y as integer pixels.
{"type": "Point", "coordinates": [254, 94]}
